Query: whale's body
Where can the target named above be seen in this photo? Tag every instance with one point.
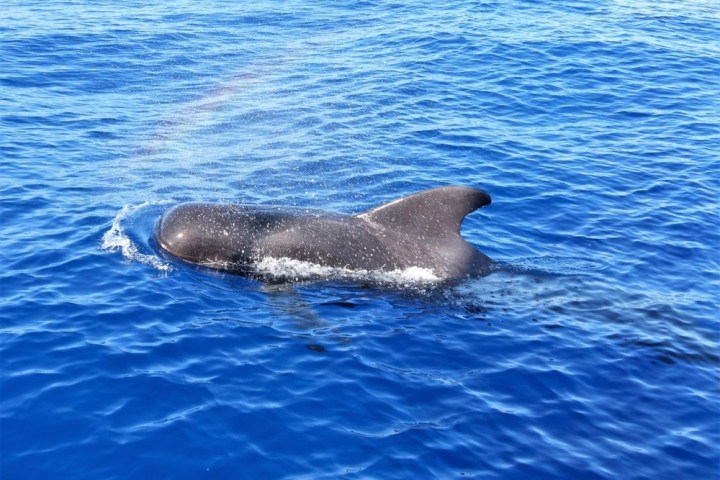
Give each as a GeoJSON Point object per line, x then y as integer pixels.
{"type": "Point", "coordinates": [421, 230]}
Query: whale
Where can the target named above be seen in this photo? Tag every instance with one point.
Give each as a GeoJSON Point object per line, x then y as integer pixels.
{"type": "Point", "coordinates": [420, 230]}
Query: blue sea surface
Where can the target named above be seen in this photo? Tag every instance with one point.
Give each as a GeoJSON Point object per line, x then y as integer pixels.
{"type": "Point", "coordinates": [592, 352]}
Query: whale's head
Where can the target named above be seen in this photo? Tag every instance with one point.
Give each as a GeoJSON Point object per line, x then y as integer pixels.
{"type": "Point", "coordinates": [208, 234]}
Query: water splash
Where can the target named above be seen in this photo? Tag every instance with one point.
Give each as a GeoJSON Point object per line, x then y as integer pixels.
{"type": "Point", "coordinates": [297, 270]}
{"type": "Point", "coordinates": [116, 239]}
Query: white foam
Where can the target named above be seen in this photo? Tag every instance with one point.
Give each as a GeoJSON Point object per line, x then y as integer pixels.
{"type": "Point", "coordinates": [116, 239]}
{"type": "Point", "coordinates": [296, 270]}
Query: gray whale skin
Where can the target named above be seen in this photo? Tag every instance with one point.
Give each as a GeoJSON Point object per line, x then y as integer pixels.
{"type": "Point", "coordinates": [421, 230]}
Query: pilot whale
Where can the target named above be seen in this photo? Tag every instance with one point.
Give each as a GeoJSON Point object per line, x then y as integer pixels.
{"type": "Point", "coordinates": [420, 230]}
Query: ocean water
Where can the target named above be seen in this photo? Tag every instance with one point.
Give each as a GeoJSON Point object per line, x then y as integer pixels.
{"type": "Point", "coordinates": [592, 352]}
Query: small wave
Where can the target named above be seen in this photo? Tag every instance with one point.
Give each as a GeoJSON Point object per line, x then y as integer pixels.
{"type": "Point", "coordinates": [116, 239]}
{"type": "Point", "coordinates": [297, 270]}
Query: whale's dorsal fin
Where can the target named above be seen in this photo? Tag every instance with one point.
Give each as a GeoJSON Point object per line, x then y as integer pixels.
{"type": "Point", "coordinates": [438, 212]}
